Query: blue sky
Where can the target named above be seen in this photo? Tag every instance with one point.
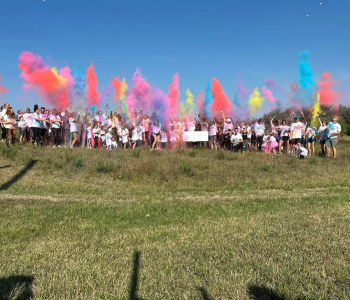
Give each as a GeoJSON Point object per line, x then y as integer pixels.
{"type": "Point", "coordinates": [204, 39]}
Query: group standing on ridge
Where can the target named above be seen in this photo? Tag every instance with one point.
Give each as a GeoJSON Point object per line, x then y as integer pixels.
{"type": "Point", "coordinates": [97, 130]}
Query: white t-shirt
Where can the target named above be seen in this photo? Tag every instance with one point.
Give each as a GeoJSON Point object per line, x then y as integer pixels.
{"type": "Point", "coordinates": [235, 138]}
{"type": "Point", "coordinates": [108, 139]}
{"type": "Point", "coordinates": [249, 130]}
{"type": "Point", "coordinates": [311, 132]}
{"type": "Point", "coordinates": [95, 132]}
{"type": "Point", "coordinates": [134, 134]}
{"type": "Point", "coordinates": [140, 131]}
{"type": "Point", "coordinates": [35, 123]}
{"type": "Point", "coordinates": [10, 125]}
{"type": "Point", "coordinates": [163, 137]}
{"type": "Point", "coordinates": [172, 135]}
{"type": "Point", "coordinates": [27, 117]}
{"type": "Point", "coordinates": [302, 151]}
{"type": "Point", "coordinates": [333, 127]}
{"type": "Point", "coordinates": [297, 129]}
{"type": "Point", "coordinates": [125, 134]}
{"type": "Point", "coordinates": [227, 126]}
{"type": "Point", "coordinates": [55, 124]}
{"type": "Point", "coordinates": [22, 124]}
{"type": "Point", "coordinates": [3, 113]}
{"type": "Point", "coordinates": [213, 130]}
{"type": "Point", "coordinates": [259, 129]}
{"type": "Point", "coordinates": [191, 126]}
{"type": "Point", "coordinates": [284, 130]}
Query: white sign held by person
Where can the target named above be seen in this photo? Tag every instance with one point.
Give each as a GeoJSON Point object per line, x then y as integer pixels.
{"type": "Point", "coordinates": [195, 136]}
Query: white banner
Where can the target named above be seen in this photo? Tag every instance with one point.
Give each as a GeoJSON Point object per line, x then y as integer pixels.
{"type": "Point", "coordinates": [195, 136]}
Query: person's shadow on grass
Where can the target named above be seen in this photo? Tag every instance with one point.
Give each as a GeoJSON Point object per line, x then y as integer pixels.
{"type": "Point", "coordinates": [134, 283]}
{"type": "Point", "coordinates": [263, 293]}
{"type": "Point", "coordinates": [17, 287]}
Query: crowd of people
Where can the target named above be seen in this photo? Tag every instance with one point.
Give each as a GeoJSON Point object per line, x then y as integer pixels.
{"type": "Point", "coordinates": [96, 129]}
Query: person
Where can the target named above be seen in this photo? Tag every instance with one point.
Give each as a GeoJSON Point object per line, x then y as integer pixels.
{"type": "Point", "coordinates": [95, 133]}
{"type": "Point", "coordinates": [236, 141]}
{"type": "Point", "coordinates": [2, 115]}
{"type": "Point", "coordinates": [134, 136]}
{"type": "Point", "coordinates": [156, 132]}
{"type": "Point", "coordinates": [163, 138]}
{"type": "Point", "coordinates": [245, 139]}
{"type": "Point", "coordinates": [323, 131]}
{"type": "Point", "coordinates": [89, 135]}
{"type": "Point", "coordinates": [270, 144]}
{"type": "Point", "coordinates": [172, 136]}
{"type": "Point", "coordinates": [43, 126]}
{"type": "Point", "coordinates": [334, 130]}
{"type": "Point", "coordinates": [9, 122]}
{"type": "Point", "coordinates": [146, 126]}
{"type": "Point", "coordinates": [125, 135]}
{"type": "Point", "coordinates": [284, 141]}
{"type": "Point", "coordinates": [297, 131]}
{"type": "Point", "coordinates": [301, 152]}
{"type": "Point", "coordinates": [56, 128]}
{"type": "Point", "coordinates": [22, 125]}
{"type": "Point", "coordinates": [27, 117]}
{"type": "Point", "coordinates": [226, 133]}
{"type": "Point", "coordinates": [140, 134]}
{"type": "Point", "coordinates": [73, 128]}
{"type": "Point", "coordinates": [36, 126]}
{"type": "Point", "coordinates": [259, 132]}
{"type": "Point", "coordinates": [213, 131]}
{"type": "Point", "coordinates": [108, 140]}
{"type": "Point", "coordinates": [311, 139]}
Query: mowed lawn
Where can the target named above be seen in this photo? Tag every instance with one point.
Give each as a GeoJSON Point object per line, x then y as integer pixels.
{"type": "Point", "coordinates": [96, 224]}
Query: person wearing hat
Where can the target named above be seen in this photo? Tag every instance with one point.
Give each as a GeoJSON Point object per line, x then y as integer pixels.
{"type": "Point", "coordinates": [297, 130]}
{"type": "Point", "coordinates": [334, 130]}
{"type": "Point", "coordinates": [259, 132]}
{"type": "Point", "coordinates": [226, 133]}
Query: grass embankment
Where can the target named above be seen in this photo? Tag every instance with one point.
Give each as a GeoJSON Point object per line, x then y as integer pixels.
{"type": "Point", "coordinates": [90, 224]}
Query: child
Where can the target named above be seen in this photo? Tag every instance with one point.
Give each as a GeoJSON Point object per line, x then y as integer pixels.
{"type": "Point", "coordinates": [270, 143]}
{"type": "Point", "coordinates": [125, 135]}
{"type": "Point", "coordinates": [114, 144]}
{"type": "Point", "coordinates": [134, 136]}
{"type": "Point", "coordinates": [301, 151]}
{"type": "Point", "coordinates": [22, 125]}
{"type": "Point", "coordinates": [103, 137]}
{"type": "Point", "coordinates": [108, 136]}
{"type": "Point", "coordinates": [163, 138]}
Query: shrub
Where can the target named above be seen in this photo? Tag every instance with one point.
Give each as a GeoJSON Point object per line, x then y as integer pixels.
{"type": "Point", "coordinates": [186, 170]}
{"type": "Point", "coordinates": [104, 167]}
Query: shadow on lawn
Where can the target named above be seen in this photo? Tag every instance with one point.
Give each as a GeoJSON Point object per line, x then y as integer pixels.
{"type": "Point", "coordinates": [4, 167]}
{"type": "Point", "coordinates": [16, 287]}
{"type": "Point", "coordinates": [134, 283]}
{"type": "Point", "coordinates": [18, 176]}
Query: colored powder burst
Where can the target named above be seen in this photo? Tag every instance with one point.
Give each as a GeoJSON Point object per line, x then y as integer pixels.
{"type": "Point", "coordinates": [307, 83]}
{"type": "Point", "coordinates": [91, 79]}
{"type": "Point", "coordinates": [141, 91]}
{"type": "Point", "coordinates": [208, 100]}
{"type": "Point", "coordinates": [158, 104]}
{"type": "Point", "coordinates": [269, 96]}
{"type": "Point", "coordinates": [243, 93]}
{"type": "Point", "coordinates": [315, 111]}
{"type": "Point", "coordinates": [117, 84]}
{"type": "Point", "coordinates": [2, 89]}
{"type": "Point", "coordinates": [52, 85]}
{"type": "Point", "coordinates": [221, 102]}
{"type": "Point", "coordinates": [187, 107]}
{"type": "Point", "coordinates": [80, 82]}
{"type": "Point", "coordinates": [172, 99]}
{"type": "Point", "coordinates": [200, 102]}
{"type": "Point", "coordinates": [122, 97]}
{"type": "Point", "coordinates": [328, 96]}
{"type": "Point", "coordinates": [255, 102]}
{"type": "Point", "coordinates": [271, 83]}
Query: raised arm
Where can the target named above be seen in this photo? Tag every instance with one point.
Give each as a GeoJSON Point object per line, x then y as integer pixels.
{"type": "Point", "coordinates": [105, 112]}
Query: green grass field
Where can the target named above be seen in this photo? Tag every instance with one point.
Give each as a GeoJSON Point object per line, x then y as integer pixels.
{"type": "Point", "coordinates": [96, 224]}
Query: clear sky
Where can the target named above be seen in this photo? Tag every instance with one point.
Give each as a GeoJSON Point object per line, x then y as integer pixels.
{"type": "Point", "coordinates": [204, 39]}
